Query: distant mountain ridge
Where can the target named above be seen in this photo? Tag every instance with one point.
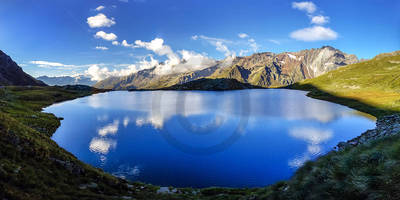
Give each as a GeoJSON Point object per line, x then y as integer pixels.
{"type": "Point", "coordinates": [12, 74]}
{"type": "Point", "coordinates": [260, 69]}
{"type": "Point", "coordinates": [67, 80]}
{"type": "Point", "coordinates": [212, 84]}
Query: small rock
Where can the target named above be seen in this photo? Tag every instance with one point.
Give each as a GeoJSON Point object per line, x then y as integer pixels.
{"type": "Point", "coordinates": [163, 190]}
{"type": "Point", "coordinates": [16, 170]}
{"type": "Point", "coordinates": [92, 185]}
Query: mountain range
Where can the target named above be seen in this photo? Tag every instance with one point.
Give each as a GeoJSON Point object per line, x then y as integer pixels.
{"type": "Point", "coordinates": [67, 80]}
{"type": "Point", "coordinates": [260, 69]}
{"type": "Point", "coordinates": [12, 74]}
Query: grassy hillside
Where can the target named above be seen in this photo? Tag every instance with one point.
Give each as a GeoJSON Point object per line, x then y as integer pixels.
{"type": "Point", "coordinates": [32, 166]}
{"type": "Point", "coordinates": [372, 86]}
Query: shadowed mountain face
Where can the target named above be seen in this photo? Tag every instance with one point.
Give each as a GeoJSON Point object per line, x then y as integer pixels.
{"type": "Point", "coordinates": [260, 69]}
{"type": "Point", "coordinates": [67, 80]}
{"type": "Point", "coordinates": [12, 74]}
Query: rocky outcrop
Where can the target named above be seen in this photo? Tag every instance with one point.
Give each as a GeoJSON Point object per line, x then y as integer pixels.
{"type": "Point", "coordinates": [385, 126]}
{"type": "Point", "coordinates": [12, 74]}
{"type": "Point", "coordinates": [261, 69]}
{"type": "Point", "coordinates": [269, 69]}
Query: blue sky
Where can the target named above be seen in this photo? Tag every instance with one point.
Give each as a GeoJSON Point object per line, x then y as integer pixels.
{"type": "Point", "coordinates": [66, 37]}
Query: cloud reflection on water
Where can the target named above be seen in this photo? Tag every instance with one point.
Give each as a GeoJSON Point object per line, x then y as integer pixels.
{"type": "Point", "coordinates": [314, 137]}
{"type": "Point", "coordinates": [111, 129]}
{"type": "Point", "coordinates": [288, 105]}
{"type": "Point", "coordinates": [102, 145]}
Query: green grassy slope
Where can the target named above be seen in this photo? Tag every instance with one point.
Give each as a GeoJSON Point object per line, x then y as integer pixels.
{"type": "Point", "coordinates": [372, 86]}
{"type": "Point", "coordinates": [32, 166]}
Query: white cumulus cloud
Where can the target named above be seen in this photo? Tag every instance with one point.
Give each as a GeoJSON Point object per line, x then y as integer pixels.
{"type": "Point", "coordinates": [176, 62]}
{"type": "Point", "coordinates": [319, 20]}
{"type": "Point", "coordinates": [315, 33]}
{"type": "Point", "coordinates": [100, 20]}
{"type": "Point", "coordinates": [99, 72]}
{"type": "Point", "coordinates": [307, 6]}
{"type": "Point", "coordinates": [126, 44]}
{"type": "Point", "coordinates": [157, 46]}
{"type": "Point", "coordinates": [106, 36]}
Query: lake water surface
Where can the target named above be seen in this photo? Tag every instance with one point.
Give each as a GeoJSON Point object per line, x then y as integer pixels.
{"type": "Point", "coordinates": [246, 138]}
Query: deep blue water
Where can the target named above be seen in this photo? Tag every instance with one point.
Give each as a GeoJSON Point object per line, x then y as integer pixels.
{"type": "Point", "coordinates": [242, 138]}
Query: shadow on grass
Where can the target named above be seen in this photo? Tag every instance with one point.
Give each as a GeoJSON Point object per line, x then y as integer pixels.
{"type": "Point", "coordinates": [318, 93]}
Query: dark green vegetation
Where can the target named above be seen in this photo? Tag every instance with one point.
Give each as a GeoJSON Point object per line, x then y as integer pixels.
{"type": "Point", "coordinates": [212, 84]}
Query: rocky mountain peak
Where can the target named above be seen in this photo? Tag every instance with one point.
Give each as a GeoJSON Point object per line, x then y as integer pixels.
{"type": "Point", "coordinates": [12, 74]}
{"type": "Point", "coordinates": [265, 69]}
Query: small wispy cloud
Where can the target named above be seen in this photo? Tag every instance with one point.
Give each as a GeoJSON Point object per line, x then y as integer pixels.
{"type": "Point", "coordinates": [101, 48]}
{"type": "Point", "coordinates": [253, 45]}
{"type": "Point", "coordinates": [274, 41]}
{"type": "Point", "coordinates": [243, 35]}
{"type": "Point", "coordinates": [100, 8]}
{"type": "Point", "coordinates": [219, 43]}
{"type": "Point", "coordinates": [56, 65]}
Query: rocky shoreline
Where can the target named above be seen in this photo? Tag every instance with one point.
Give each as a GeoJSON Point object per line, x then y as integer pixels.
{"type": "Point", "coordinates": [385, 126]}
